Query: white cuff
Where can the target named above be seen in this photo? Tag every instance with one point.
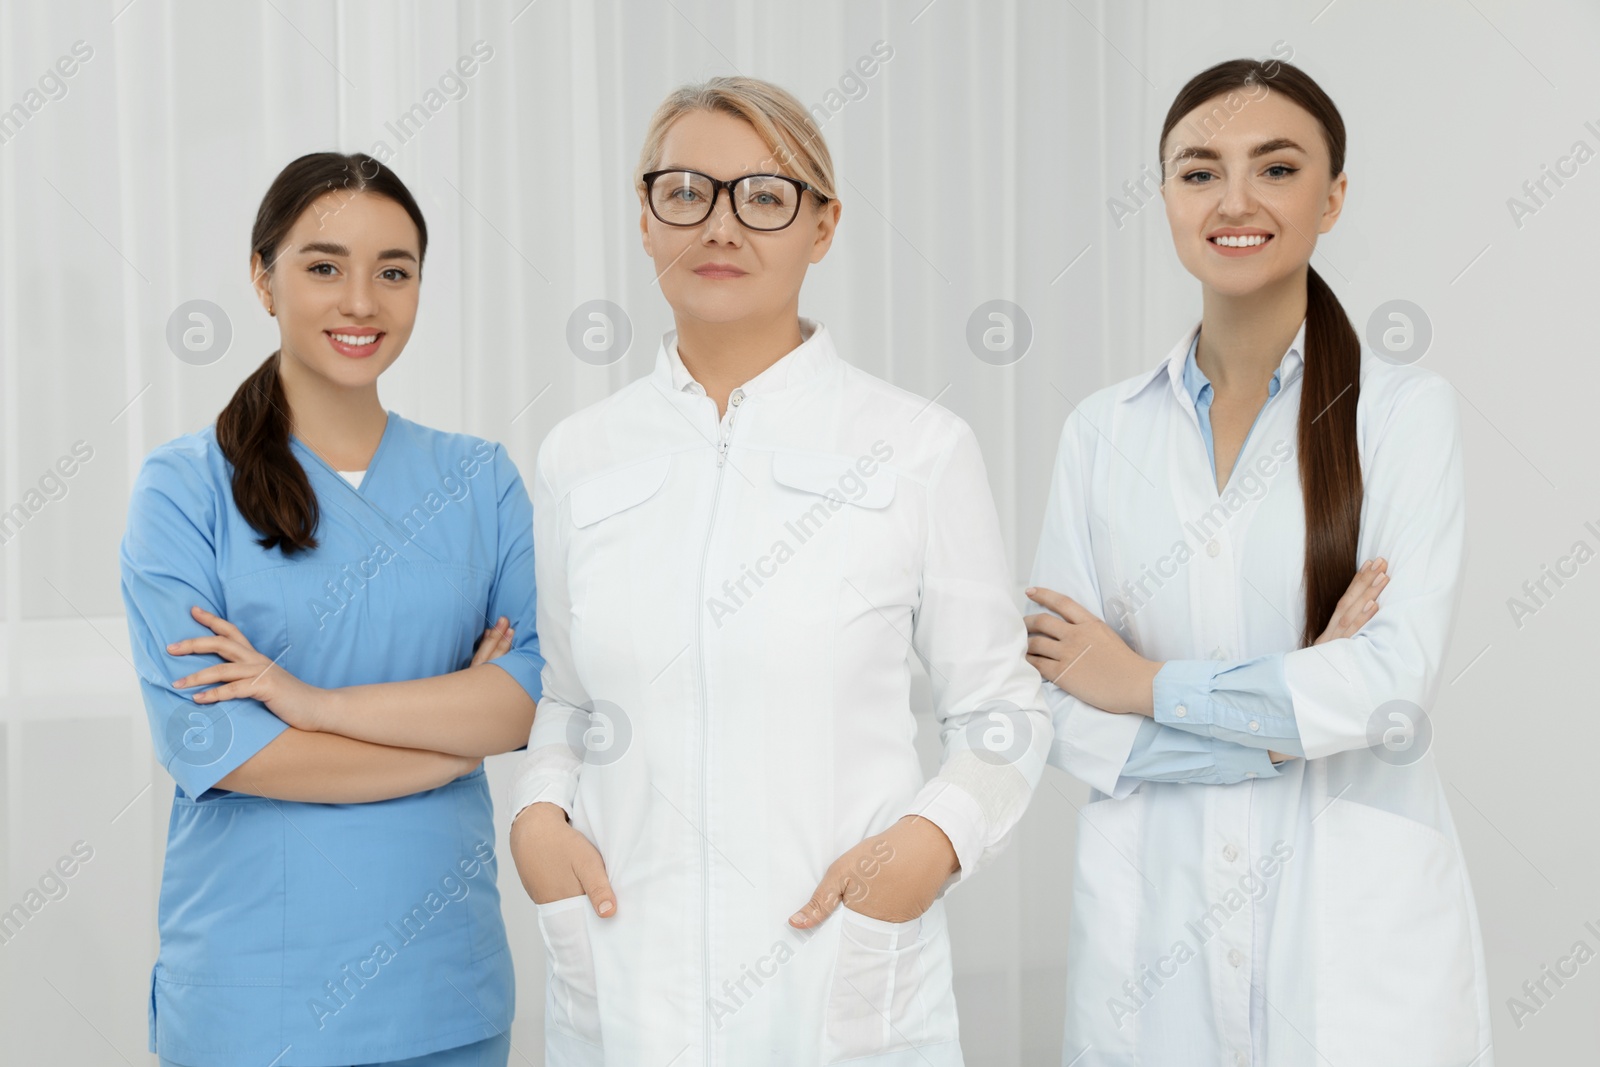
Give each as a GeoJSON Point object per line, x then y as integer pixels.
{"type": "Point", "coordinates": [1090, 744]}
{"type": "Point", "coordinates": [954, 811]}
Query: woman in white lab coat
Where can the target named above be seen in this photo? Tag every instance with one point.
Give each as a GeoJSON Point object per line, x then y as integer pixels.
{"type": "Point", "coordinates": [1267, 872]}
{"type": "Point", "coordinates": [735, 555]}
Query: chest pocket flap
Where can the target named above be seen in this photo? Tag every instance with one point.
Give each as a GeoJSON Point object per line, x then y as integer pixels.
{"type": "Point", "coordinates": [618, 490]}
{"type": "Point", "coordinates": [834, 475]}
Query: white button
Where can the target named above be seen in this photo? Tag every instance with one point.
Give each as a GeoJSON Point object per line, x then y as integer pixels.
{"type": "Point", "coordinates": [1213, 548]}
{"type": "Point", "coordinates": [1249, 774]}
{"type": "Point", "coordinates": [1230, 853]}
{"type": "Point", "coordinates": [1254, 725]}
{"type": "Point", "coordinates": [1236, 957]}
{"type": "Point", "coordinates": [737, 398]}
{"type": "Point", "coordinates": [1242, 1060]}
{"type": "Point", "coordinates": [1180, 711]}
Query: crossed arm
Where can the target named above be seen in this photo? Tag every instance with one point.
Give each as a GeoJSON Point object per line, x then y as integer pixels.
{"type": "Point", "coordinates": [1074, 650]}
{"type": "Point", "coordinates": [361, 743]}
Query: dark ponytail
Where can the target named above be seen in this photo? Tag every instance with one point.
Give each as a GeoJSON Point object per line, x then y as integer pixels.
{"type": "Point", "coordinates": [1330, 465]}
{"type": "Point", "coordinates": [270, 488]}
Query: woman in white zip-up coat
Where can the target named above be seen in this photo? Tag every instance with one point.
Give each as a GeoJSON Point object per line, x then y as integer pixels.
{"type": "Point", "coordinates": [1231, 907]}
{"type": "Point", "coordinates": [736, 555]}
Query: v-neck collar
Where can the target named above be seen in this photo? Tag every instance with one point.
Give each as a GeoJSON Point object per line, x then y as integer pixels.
{"type": "Point", "coordinates": [391, 421]}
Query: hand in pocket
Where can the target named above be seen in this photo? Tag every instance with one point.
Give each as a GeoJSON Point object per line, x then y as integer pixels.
{"type": "Point", "coordinates": [893, 876]}
{"type": "Point", "coordinates": [556, 861]}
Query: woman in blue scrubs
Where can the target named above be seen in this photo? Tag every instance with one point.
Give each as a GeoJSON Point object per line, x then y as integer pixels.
{"type": "Point", "coordinates": [329, 893]}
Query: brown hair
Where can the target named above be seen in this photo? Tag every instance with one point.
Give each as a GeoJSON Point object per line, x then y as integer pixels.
{"type": "Point", "coordinates": [270, 488]}
{"type": "Point", "coordinates": [1330, 465]}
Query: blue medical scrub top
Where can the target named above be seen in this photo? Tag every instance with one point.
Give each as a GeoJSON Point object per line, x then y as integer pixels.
{"type": "Point", "coordinates": [318, 934]}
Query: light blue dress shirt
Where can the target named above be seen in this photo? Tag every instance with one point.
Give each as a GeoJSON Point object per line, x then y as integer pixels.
{"type": "Point", "coordinates": [1246, 702]}
{"type": "Point", "coordinates": [299, 933]}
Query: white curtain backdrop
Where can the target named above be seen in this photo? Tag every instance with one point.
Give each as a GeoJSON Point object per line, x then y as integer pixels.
{"type": "Point", "coordinates": [979, 161]}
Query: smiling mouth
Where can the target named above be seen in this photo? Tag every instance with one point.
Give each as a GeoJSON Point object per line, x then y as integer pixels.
{"type": "Point", "coordinates": [355, 345]}
{"type": "Point", "coordinates": [1254, 240]}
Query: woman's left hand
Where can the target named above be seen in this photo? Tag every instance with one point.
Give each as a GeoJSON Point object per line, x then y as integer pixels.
{"type": "Point", "coordinates": [1080, 653]}
{"type": "Point", "coordinates": [495, 642]}
{"type": "Point", "coordinates": [248, 674]}
{"type": "Point", "coordinates": [893, 876]}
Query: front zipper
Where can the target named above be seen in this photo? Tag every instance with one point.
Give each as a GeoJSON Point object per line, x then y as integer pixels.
{"type": "Point", "coordinates": [724, 436]}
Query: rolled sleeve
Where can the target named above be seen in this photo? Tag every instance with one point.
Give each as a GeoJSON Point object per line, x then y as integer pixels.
{"type": "Point", "coordinates": [168, 564]}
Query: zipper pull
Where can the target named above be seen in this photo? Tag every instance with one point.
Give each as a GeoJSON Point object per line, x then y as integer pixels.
{"type": "Point", "coordinates": [734, 400]}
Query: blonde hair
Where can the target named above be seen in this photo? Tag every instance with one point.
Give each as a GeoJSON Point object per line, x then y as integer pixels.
{"type": "Point", "coordinates": [774, 113]}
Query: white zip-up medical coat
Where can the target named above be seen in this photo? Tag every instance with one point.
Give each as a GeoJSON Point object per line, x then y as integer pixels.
{"type": "Point", "coordinates": [1313, 914]}
{"type": "Point", "coordinates": [726, 608]}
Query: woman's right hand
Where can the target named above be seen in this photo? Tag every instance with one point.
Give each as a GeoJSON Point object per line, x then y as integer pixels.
{"type": "Point", "coordinates": [1359, 603]}
{"type": "Point", "coordinates": [556, 861]}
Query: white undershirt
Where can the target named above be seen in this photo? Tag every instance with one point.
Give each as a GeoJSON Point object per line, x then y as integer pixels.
{"type": "Point", "coordinates": [353, 477]}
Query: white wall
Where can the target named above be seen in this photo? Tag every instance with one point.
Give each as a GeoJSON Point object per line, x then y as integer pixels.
{"type": "Point", "coordinates": [977, 164]}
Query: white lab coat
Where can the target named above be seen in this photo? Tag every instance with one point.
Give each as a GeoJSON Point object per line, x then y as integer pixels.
{"type": "Point", "coordinates": [1363, 948]}
{"type": "Point", "coordinates": [726, 608]}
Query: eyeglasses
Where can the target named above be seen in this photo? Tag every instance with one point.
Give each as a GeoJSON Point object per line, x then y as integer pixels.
{"type": "Point", "coordinates": [760, 201]}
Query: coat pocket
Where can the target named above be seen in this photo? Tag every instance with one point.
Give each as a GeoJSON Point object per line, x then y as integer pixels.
{"type": "Point", "coordinates": [892, 986]}
{"type": "Point", "coordinates": [1398, 974]}
{"type": "Point", "coordinates": [845, 529]}
{"type": "Point", "coordinates": [607, 494]}
{"type": "Point", "coordinates": [839, 478]}
{"type": "Point", "coordinates": [571, 1003]}
{"type": "Point", "coordinates": [613, 549]}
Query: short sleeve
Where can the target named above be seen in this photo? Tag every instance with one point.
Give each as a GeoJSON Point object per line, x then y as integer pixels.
{"type": "Point", "coordinates": [512, 594]}
{"type": "Point", "coordinates": [168, 562]}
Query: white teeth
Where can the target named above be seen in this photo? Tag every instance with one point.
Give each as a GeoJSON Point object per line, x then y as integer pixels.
{"type": "Point", "coordinates": [1241, 242]}
{"type": "Point", "coordinates": [350, 339]}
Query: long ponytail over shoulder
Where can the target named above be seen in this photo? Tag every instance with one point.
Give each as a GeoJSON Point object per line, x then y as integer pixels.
{"type": "Point", "coordinates": [270, 488]}
{"type": "Point", "coordinates": [1330, 463]}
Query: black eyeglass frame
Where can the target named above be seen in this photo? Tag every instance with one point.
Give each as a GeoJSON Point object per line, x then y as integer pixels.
{"type": "Point", "coordinates": [717, 186]}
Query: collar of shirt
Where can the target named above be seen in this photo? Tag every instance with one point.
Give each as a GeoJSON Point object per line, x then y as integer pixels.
{"type": "Point", "coordinates": [1199, 387]}
{"type": "Point", "coordinates": [1176, 368]}
{"type": "Point", "coordinates": [795, 366]}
